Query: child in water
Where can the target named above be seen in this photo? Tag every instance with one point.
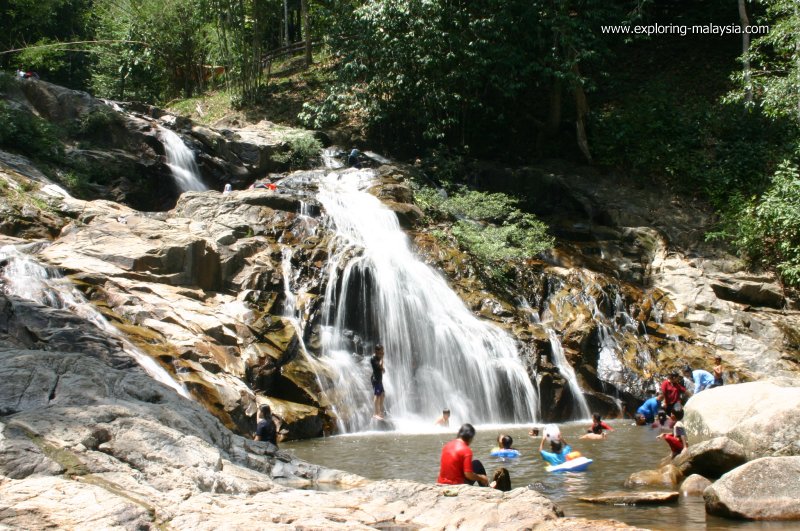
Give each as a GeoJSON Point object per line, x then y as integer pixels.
{"type": "Point", "coordinates": [598, 428]}
{"type": "Point", "coordinates": [559, 449]}
{"type": "Point", "coordinates": [677, 439]}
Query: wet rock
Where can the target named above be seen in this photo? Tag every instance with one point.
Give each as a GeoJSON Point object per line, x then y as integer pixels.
{"type": "Point", "coordinates": [767, 293]}
{"type": "Point", "coordinates": [694, 485]}
{"type": "Point", "coordinates": [761, 416]}
{"type": "Point", "coordinates": [666, 476]}
{"type": "Point", "coordinates": [764, 489]}
{"type": "Point", "coordinates": [633, 498]}
{"type": "Point", "coordinates": [711, 458]}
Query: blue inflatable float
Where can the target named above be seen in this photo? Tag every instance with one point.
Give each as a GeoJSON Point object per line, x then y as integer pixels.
{"type": "Point", "coordinates": [579, 464]}
{"type": "Point", "coordinates": [506, 453]}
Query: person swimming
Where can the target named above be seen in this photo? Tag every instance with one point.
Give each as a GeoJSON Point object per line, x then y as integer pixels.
{"type": "Point", "coordinates": [597, 429]}
{"type": "Point", "coordinates": [558, 448]}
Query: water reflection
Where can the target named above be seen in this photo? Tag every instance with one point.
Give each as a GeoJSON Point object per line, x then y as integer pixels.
{"type": "Point", "coordinates": [628, 449]}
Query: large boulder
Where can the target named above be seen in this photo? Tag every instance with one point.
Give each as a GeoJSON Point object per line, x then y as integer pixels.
{"type": "Point", "coordinates": [761, 416]}
{"type": "Point", "coordinates": [694, 485]}
{"type": "Point", "coordinates": [711, 458]}
{"type": "Point", "coordinates": [764, 489]}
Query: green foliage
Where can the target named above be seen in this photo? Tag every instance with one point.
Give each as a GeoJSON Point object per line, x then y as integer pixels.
{"type": "Point", "coordinates": [28, 134]}
{"type": "Point", "coordinates": [152, 50]}
{"type": "Point", "coordinates": [42, 28]}
{"type": "Point", "coordinates": [301, 150]}
{"type": "Point", "coordinates": [462, 73]}
{"type": "Point", "coordinates": [774, 80]}
{"type": "Point", "coordinates": [98, 124]}
{"type": "Point", "coordinates": [77, 183]}
{"type": "Point", "coordinates": [489, 226]}
{"type": "Point", "coordinates": [771, 231]}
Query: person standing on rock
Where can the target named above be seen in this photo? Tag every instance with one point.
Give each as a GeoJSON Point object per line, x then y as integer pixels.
{"type": "Point", "coordinates": [456, 466]}
{"type": "Point", "coordinates": [672, 389]}
{"type": "Point", "coordinates": [265, 430]}
{"type": "Point", "coordinates": [702, 379]}
{"type": "Point", "coordinates": [377, 382]}
{"type": "Point", "coordinates": [717, 372]}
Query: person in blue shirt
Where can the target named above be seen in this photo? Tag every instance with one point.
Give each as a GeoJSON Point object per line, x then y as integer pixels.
{"type": "Point", "coordinates": [647, 411]}
{"type": "Point", "coordinates": [702, 379]}
{"type": "Point", "coordinates": [559, 450]}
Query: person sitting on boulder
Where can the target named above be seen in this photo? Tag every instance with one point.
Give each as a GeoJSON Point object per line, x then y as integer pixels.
{"type": "Point", "coordinates": [672, 388]}
{"type": "Point", "coordinates": [501, 480]}
{"type": "Point", "coordinates": [598, 428]}
{"type": "Point", "coordinates": [677, 439]}
{"type": "Point", "coordinates": [457, 466]}
{"type": "Point", "coordinates": [265, 430]}
{"type": "Point", "coordinates": [702, 379]}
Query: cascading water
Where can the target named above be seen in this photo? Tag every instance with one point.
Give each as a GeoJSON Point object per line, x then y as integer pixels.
{"type": "Point", "coordinates": [24, 277]}
{"type": "Point", "coordinates": [568, 373]}
{"type": "Point", "coordinates": [438, 354]}
{"type": "Point", "coordinates": [180, 160]}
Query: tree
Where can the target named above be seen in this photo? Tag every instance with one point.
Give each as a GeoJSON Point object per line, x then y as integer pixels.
{"type": "Point", "coordinates": [37, 29]}
{"type": "Point", "coordinates": [464, 73]}
{"type": "Point", "coordinates": [774, 58]}
{"type": "Point", "coordinates": [151, 49]}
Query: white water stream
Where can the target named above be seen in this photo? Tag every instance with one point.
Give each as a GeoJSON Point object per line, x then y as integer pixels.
{"type": "Point", "coordinates": [568, 373]}
{"type": "Point", "coordinates": [25, 277]}
{"type": "Point", "coordinates": [180, 160]}
{"type": "Point", "coordinates": [438, 354]}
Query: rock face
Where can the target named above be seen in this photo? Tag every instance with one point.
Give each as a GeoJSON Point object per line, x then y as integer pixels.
{"type": "Point", "coordinates": [760, 416]}
{"type": "Point", "coordinates": [764, 489]}
{"type": "Point", "coordinates": [711, 458]}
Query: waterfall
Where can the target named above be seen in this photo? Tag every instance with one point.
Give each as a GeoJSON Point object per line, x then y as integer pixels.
{"type": "Point", "coordinates": [180, 160]}
{"type": "Point", "coordinates": [24, 277]}
{"type": "Point", "coordinates": [568, 373]}
{"type": "Point", "coordinates": [438, 354]}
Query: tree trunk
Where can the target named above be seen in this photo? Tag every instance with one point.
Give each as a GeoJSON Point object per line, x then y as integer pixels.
{"type": "Point", "coordinates": [748, 90]}
{"type": "Point", "coordinates": [581, 110]}
{"type": "Point", "coordinates": [554, 113]}
{"type": "Point", "coordinates": [306, 32]}
{"type": "Point", "coordinates": [286, 22]}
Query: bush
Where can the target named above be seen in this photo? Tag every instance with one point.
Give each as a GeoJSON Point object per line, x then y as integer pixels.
{"type": "Point", "coordinates": [28, 134]}
{"type": "Point", "coordinates": [771, 227]}
{"type": "Point", "coordinates": [302, 149]}
{"type": "Point", "coordinates": [489, 226]}
{"type": "Point", "coordinates": [97, 125]}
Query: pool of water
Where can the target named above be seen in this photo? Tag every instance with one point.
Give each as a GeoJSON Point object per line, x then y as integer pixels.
{"type": "Point", "coordinates": [391, 455]}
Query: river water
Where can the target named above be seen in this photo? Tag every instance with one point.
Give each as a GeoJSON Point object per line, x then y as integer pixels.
{"type": "Point", "coordinates": [392, 455]}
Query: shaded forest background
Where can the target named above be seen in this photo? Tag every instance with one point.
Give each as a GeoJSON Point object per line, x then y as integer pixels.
{"type": "Point", "coordinates": [512, 82]}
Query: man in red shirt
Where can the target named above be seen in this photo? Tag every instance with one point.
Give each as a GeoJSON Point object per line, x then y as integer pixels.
{"type": "Point", "coordinates": [456, 466]}
{"type": "Point", "coordinates": [672, 388]}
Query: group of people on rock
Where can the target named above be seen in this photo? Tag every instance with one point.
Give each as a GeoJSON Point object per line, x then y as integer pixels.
{"type": "Point", "coordinates": [663, 410]}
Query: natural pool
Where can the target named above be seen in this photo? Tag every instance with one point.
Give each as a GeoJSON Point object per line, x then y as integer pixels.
{"type": "Point", "coordinates": [387, 455]}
